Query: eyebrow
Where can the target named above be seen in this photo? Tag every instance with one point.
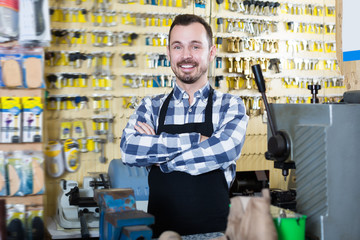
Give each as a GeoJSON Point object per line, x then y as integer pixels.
{"type": "Point", "coordinates": [192, 42]}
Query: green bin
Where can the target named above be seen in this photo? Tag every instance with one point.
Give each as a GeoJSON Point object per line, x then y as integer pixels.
{"type": "Point", "coordinates": [290, 228]}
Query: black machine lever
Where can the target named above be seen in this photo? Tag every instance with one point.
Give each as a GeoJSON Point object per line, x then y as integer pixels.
{"type": "Point", "coordinates": [84, 227]}
{"type": "Point", "coordinates": [279, 142]}
{"type": "Point", "coordinates": [260, 83]}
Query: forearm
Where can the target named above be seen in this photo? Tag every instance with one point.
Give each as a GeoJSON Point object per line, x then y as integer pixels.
{"type": "Point", "coordinates": [219, 151]}
{"type": "Point", "coordinates": [144, 150]}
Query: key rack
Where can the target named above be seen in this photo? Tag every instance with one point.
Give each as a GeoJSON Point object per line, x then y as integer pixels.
{"type": "Point", "coordinates": [117, 49]}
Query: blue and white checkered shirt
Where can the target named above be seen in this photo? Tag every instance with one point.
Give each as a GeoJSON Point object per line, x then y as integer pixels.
{"type": "Point", "coordinates": [184, 152]}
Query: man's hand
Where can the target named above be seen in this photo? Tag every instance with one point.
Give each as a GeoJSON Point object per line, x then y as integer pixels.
{"type": "Point", "coordinates": [144, 128]}
{"type": "Point", "coordinates": [203, 138]}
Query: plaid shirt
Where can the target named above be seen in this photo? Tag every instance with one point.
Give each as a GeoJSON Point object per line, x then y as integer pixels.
{"type": "Point", "coordinates": [184, 152]}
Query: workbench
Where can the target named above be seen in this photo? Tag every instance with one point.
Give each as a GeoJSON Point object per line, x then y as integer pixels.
{"type": "Point", "coordinates": [94, 233]}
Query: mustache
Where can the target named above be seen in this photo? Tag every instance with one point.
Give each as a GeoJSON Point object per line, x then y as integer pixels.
{"type": "Point", "coordinates": [187, 62]}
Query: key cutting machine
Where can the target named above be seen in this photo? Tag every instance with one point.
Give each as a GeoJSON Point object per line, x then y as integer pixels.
{"type": "Point", "coordinates": [320, 142]}
{"type": "Point", "coordinates": [111, 203]}
{"type": "Point", "coordinates": [77, 207]}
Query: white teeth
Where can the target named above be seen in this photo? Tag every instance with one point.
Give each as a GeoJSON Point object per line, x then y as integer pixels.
{"type": "Point", "coordinates": [187, 66]}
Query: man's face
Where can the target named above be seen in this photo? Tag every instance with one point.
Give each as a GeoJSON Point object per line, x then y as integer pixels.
{"type": "Point", "coordinates": [189, 52]}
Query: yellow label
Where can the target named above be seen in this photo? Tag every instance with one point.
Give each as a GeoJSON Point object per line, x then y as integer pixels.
{"type": "Point", "coordinates": [78, 129]}
{"type": "Point", "coordinates": [65, 130]}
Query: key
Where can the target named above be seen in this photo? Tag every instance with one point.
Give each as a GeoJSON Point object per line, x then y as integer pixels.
{"type": "Point", "coordinates": [132, 58]}
{"type": "Point", "coordinates": [84, 13]}
{"type": "Point", "coordinates": [247, 65]}
{"type": "Point", "coordinates": [161, 60]}
{"type": "Point", "coordinates": [218, 62]}
{"type": "Point", "coordinates": [71, 58]}
{"type": "Point", "coordinates": [126, 57]}
{"type": "Point", "coordinates": [96, 36]}
{"type": "Point", "coordinates": [150, 61]}
{"type": "Point", "coordinates": [65, 34]}
{"type": "Point", "coordinates": [162, 38]}
{"type": "Point", "coordinates": [65, 79]}
{"type": "Point", "coordinates": [52, 103]}
{"type": "Point", "coordinates": [112, 18]}
{"type": "Point", "coordinates": [63, 102]}
{"type": "Point", "coordinates": [76, 14]}
{"type": "Point", "coordinates": [248, 82]}
{"type": "Point", "coordinates": [98, 63]}
{"type": "Point", "coordinates": [161, 20]}
{"type": "Point", "coordinates": [236, 25]}
{"type": "Point", "coordinates": [49, 58]}
{"type": "Point", "coordinates": [267, 8]}
{"type": "Point", "coordinates": [252, 8]}
{"type": "Point", "coordinates": [155, 59]}
{"type": "Point", "coordinates": [52, 79]}
{"type": "Point", "coordinates": [247, 7]}
{"type": "Point", "coordinates": [77, 100]}
{"type": "Point", "coordinates": [96, 18]}
{"type": "Point", "coordinates": [275, 8]}
{"type": "Point", "coordinates": [57, 34]}
{"type": "Point", "coordinates": [56, 58]}
{"type": "Point", "coordinates": [263, 64]}
{"type": "Point", "coordinates": [237, 67]}
{"type": "Point", "coordinates": [78, 59]}
{"type": "Point", "coordinates": [274, 65]}
{"type": "Point", "coordinates": [230, 69]}
{"type": "Point", "coordinates": [75, 36]}
{"type": "Point", "coordinates": [133, 36]}
{"type": "Point", "coordinates": [51, 12]}
{"type": "Point", "coordinates": [83, 57]}
{"type": "Point", "coordinates": [230, 27]}
{"type": "Point", "coordinates": [231, 44]}
{"type": "Point", "coordinates": [111, 38]}
{"type": "Point", "coordinates": [241, 7]}
{"type": "Point", "coordinates": [219, 41]}
{"type": "Point", "coordinates": [256, 6]}
{"type": "Point", "coordinates": [237, 44]}
{"type": "Point", "coordinates": [107, 56]}
{"type": "Point", "coordinates": [258, 45]}
{"type": "Point", "coordinates": [65, 11]}
{"type": "Point", "coordinates": [256, 106]}
{"type": "Point", "coordinates": [89, 57]}
{"type": "Point", "coordinates": [220, 22]}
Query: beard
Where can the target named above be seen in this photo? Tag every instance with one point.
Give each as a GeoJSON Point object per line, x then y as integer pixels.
{"type": "Point", "coordinates": [188, 78]}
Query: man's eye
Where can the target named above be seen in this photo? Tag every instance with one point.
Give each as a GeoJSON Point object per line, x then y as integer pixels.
{"type": "Point", "coordinates": [196, 47]}
{"type": "Point", "coordinates": [177, 47]}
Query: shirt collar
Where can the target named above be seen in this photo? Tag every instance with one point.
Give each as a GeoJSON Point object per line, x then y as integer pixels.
{"type": "Point", "coordinates": [202, 93]}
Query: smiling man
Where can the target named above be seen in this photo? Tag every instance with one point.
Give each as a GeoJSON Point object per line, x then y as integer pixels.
{"type": "Point", "coordinates": [189, 139]}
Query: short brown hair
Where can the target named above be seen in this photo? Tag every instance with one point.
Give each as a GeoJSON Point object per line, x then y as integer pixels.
{"type": "Point", "coordinates": [187, 19]}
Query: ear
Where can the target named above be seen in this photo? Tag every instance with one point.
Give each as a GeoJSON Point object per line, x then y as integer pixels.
{"type": "Point", "coordinates": [212, 53]}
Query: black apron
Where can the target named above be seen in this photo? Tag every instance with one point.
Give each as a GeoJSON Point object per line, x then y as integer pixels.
{"type": "Point", "coordinates": [184, 203]}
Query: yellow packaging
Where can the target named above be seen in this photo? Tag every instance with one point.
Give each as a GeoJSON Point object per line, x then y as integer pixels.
{"type": "Point", "coordinates": [10, 120]}
{"type": "Point", "coordinates": [78, 130]}
{"type": "Point", "coordinates": [65, 130]}
{"type": "Point", "coordinates": [32, 119]}
{"type": "Point", "coordinates": [71, 155]}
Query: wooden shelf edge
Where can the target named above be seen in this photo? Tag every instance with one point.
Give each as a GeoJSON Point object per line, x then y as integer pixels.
{"type": "Point", "coordinates": [27, 200]}
{"type": "Point", "coordinates": [21, 146]}
{"type": "Point", "coordinates": [22, 92]}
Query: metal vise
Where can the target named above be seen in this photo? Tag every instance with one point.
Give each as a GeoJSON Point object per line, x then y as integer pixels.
{"type": "Point", "coordinates": [119, 219]}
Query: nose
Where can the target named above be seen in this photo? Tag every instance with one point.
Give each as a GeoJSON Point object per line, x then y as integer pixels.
{"type": "Point", "coordinates": [187, 53]}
